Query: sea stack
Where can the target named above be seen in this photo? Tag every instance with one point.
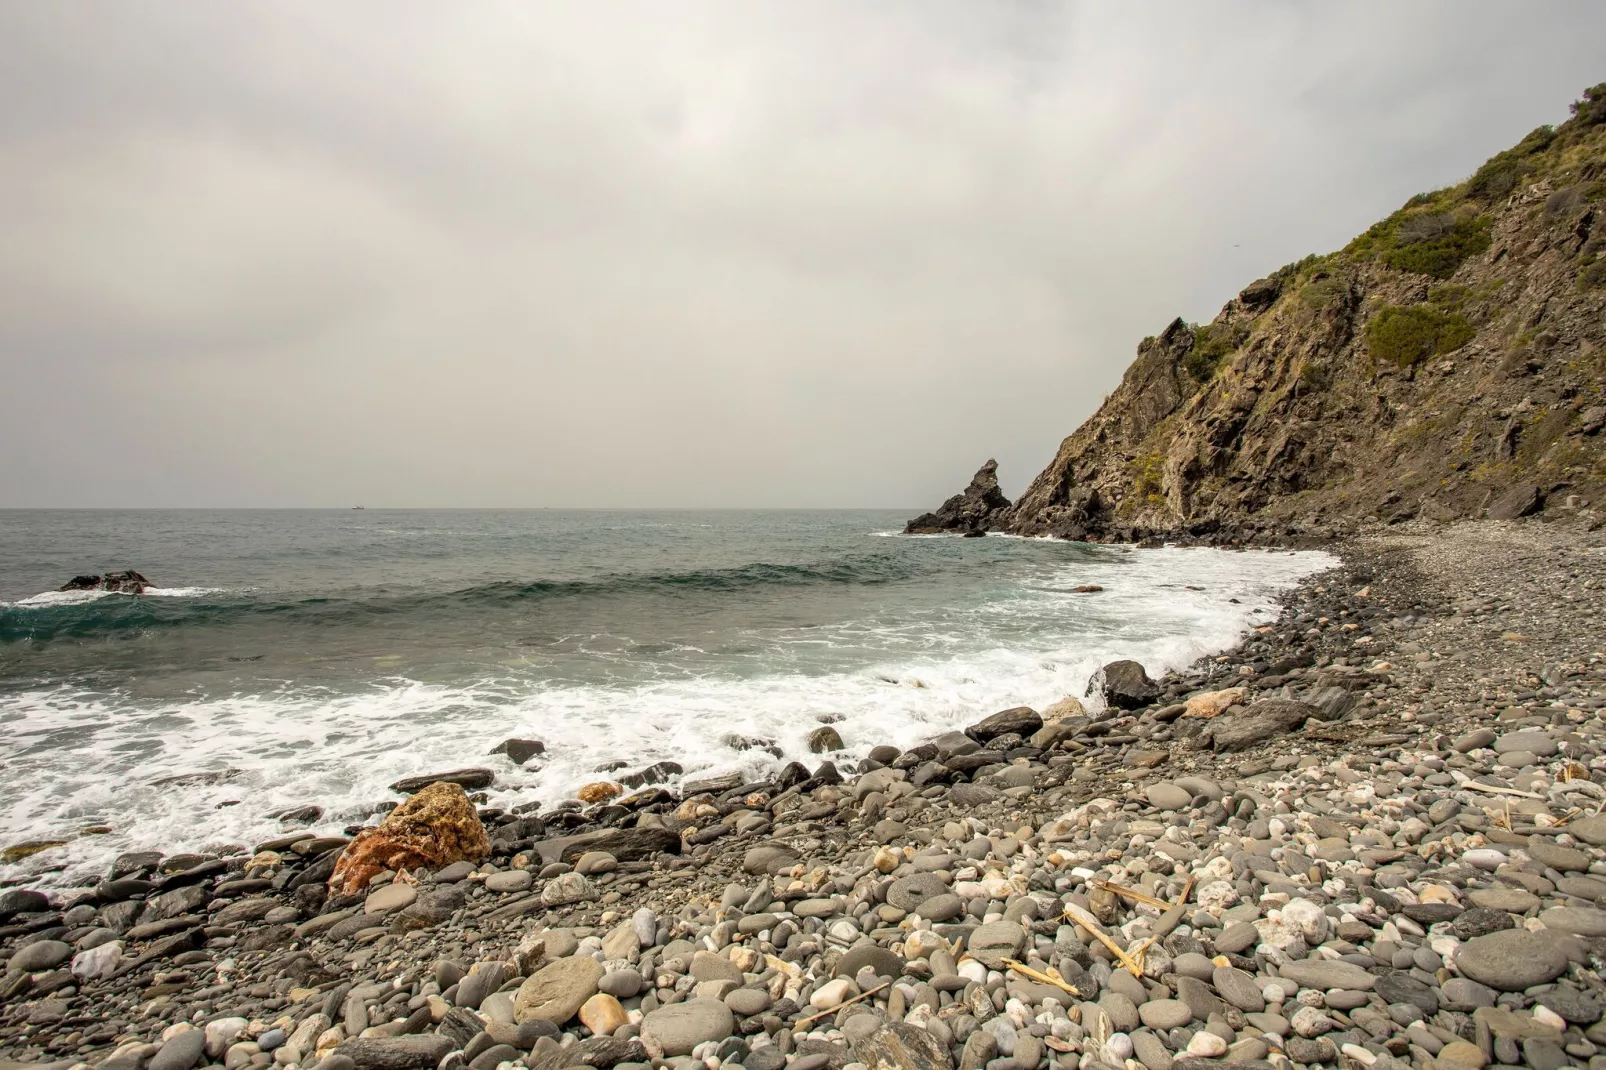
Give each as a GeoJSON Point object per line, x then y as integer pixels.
{"type": "Point", "coordinates": [970, 512]}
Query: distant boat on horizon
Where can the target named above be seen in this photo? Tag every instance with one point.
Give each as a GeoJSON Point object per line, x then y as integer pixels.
{"type": "Point", "coordinates": [357, 507]}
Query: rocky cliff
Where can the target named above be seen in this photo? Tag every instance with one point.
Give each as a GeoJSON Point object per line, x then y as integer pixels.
{"type": "Point", "coordinates": [1448, 363]}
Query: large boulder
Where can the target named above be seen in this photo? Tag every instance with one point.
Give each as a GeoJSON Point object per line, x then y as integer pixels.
{"type": "Point", "coordinates": [970, 512]}
{"type": "Point", "coordinates": [126, 582]}
{"type": "Point", "coordinates": [1521, 500]}
{"type": "Point", "coordinates": [1020, 720]}
{"type": "Point", "coordinates": [1124, 684]}
{"type": "Point", "coordinates": [558, 990]}
{"type": "Point", "coordinates": [432, 829]}
{"type": "Point", "coordinates": [1268, 719]}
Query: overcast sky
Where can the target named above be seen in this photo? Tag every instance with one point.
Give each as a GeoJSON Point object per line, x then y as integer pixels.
{"type": "Point", "coordinates": [754, 254]}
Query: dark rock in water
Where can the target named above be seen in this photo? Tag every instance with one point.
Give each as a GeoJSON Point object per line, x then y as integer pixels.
{"type": "Point", "coordinates": [519, 751]}
{"type": "Point", "coordinates": [791, 775]}
{"type": "Point", "coordinates": [825, 739]}
{"type": "Point", "coordinates": [467, 779]}
{"type": "Point", "coordinates": [126, 582]}
{"type": "Point", "coordinates": [1018, 721]}
{"type": "Point", "coordinates": [970, 511]}
{"type": "Point", "coordinates": [712, 785]}
{"type": "Point", "coordinates": [656, 773]}
{"type": "Point", "coordinates": [300, 815]}
{"type": "Point", "coordinates": [133, 863]}
{"type": "Point", "coordinates": [200, 779]}
{"type": "Point", "coordinates": [1124, 684]}
{"type": "Point", "coordinates": [735, 742]}
{"type": "Point", "coordinates": [626, 845]}
{"type": "Point", "coordinates": [1268, 719]}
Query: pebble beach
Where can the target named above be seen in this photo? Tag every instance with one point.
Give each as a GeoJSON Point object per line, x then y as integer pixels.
{"type": "Point", "coordinates": [1372, 835]}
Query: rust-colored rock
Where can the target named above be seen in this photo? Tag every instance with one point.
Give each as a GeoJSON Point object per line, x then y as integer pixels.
{"type": "Point", "coordinates": [434, 828]}
{"type": "Point", "coordinates": [1211, 703]}
{"type": "Point", "coordinates": [601, 791]}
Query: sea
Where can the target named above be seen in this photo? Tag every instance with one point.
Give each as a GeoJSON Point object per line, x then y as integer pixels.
{"type": "Point", "coordinates": [314, 657]}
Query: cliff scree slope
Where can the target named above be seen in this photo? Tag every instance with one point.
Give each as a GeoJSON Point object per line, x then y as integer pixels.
{"type": "Point", "coordinates": [1448, 363]}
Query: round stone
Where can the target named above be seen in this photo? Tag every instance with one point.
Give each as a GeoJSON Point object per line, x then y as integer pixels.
{"type": "Point", "coordinates": [945, 907]}
{"type": "Point", "coordinates": [513, 880]}
{"type": "Point", "coordinates": [1510, 961]}
{"type": "Point", "coordinates": [1566, 859]}
{"type": "Point", "coordinates": [1167, 796]}
{"type": "Point", "coordinates": [620, 984]}
{"type": "Point", "coordinates": [1165, 1014]}
{"type": "Point", "coordinates": [602, 1014]}
{"type": "Point", "coordinates": [40, 955]}
{"type": "Point", "coordinates": [680, 1027]}
{"type": "Point", "coordinates": [882, 961]}
{"type": "Point", "coordinates": [747, 1002]}
{"type": "Point", "coordinates": [1536, 743]}
{"type": "Point", "coordinates": [558, 990]}
{"type": "Point", "coordinates": [908, 893]}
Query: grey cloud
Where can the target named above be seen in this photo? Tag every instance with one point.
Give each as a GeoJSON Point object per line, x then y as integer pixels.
{"type": "Point", "coordinates": [752, 254]}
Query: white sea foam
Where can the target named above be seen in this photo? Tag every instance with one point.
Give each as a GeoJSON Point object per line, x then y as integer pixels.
{"type": "Point", "coordinates": [46, 599]}
{"type": "Point", "coordinates": [76, 760]}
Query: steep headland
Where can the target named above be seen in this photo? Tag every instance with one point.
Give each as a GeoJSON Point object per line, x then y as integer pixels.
{"type": "Point", "coordinates": [1448, 363]}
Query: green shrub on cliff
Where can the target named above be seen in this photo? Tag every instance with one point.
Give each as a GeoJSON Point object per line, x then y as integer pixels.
{"type": "Point", "coordinates": [1591, 109]}
{"type": "Point", "coordinates": [1501, 173]}
{"type": "Point", "coordinates": [1424, 238]}
{"type": "Point", "coordinates": [1212, 344]}
{"type": "Point", "coordinates": [1437, 243]}
{"type": "Point", "coordinates": [1406, 335]}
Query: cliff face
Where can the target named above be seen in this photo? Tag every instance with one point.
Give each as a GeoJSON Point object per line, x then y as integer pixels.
{"type": "Point", "coordinates": [1448, 363]}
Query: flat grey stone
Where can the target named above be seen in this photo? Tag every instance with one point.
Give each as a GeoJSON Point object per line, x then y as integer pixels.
{"type": "Point", "coordinates": [1566, 859]}
{"type": "Point", "coordinates": [40, 955]}
{"type": "Point", "coordinates": [680, 1027]}
{"type": "Point", "coordinates": [513, 880]}
{"type": "Point", "coordinates": [1165, 1014]}
{"type": "Point", "coordinates": [181, 1052]}
{"type": "Point", "coordinates": [1580, 921]}
{"type": "Point", "coordinates": [908, 893]}
{"type": "Point", "coordinates": [1510, 961]}
{"type": "Point", "coordinates": [1318, 974]}
{"type": "Point", "coordinates": [1536, 743]}
{"type": "Point", "coordinates": [1239, 989]}
{"type": "Point", "coordinates": [990, 944]}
